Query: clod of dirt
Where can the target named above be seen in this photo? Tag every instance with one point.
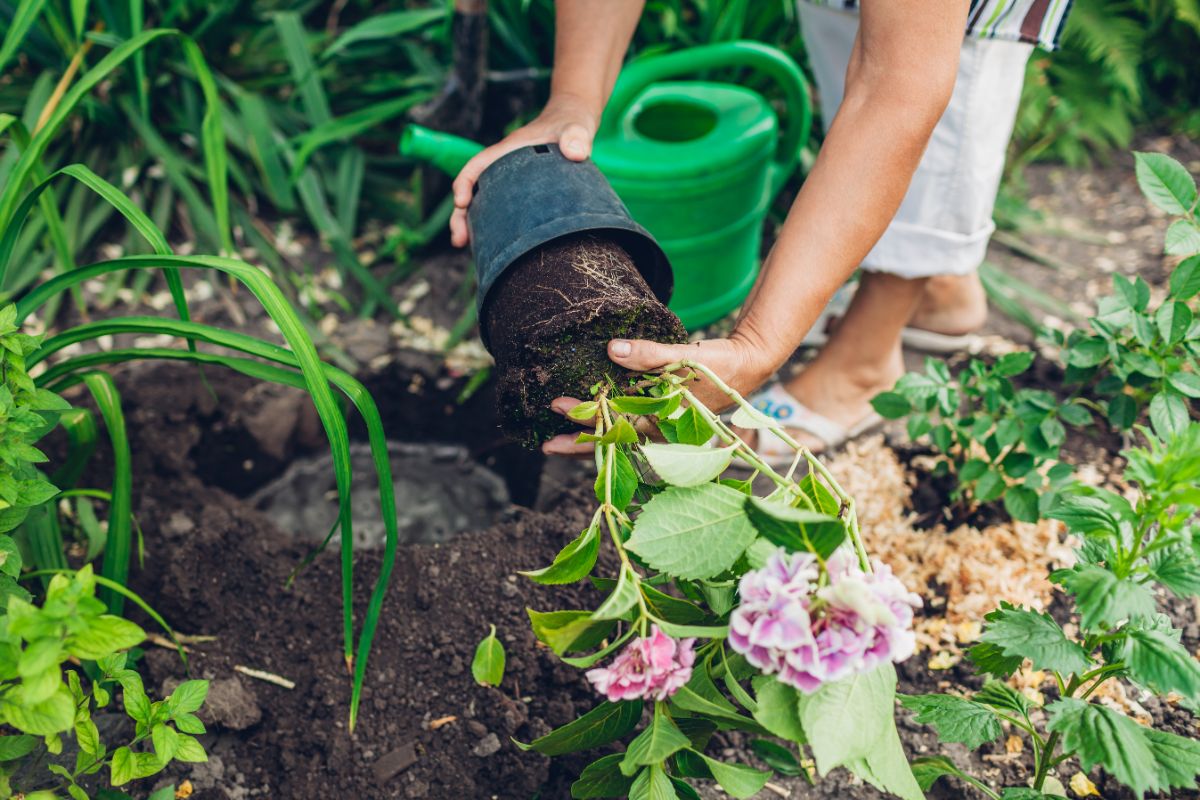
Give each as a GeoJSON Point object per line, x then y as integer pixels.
{"type": "Point", "coordinates": [549, 320]}
{"type": "Point", "coordinates": [232, 704]}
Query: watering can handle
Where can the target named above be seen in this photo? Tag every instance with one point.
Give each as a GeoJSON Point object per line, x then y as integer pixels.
{"type": "Point", "coordinates": [640, 74]}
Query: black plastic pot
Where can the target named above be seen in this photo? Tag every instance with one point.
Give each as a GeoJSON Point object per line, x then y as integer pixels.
{"type": "Point", "coordinates": [535, 195]}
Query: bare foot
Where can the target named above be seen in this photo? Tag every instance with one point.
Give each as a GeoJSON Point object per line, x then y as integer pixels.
{"type": "Point", "coordinates": [838, 391]}
{"type": "Point", "coordinates": [952, 305]}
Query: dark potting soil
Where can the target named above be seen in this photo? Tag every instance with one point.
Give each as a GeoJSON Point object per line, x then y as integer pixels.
{"type": "Point", "coordinates": [549, 320]}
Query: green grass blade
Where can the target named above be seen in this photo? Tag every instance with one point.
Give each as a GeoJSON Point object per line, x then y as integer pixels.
{"type": "Point", "coordinates": [277, 307]}
{"type": "Point", "coordinates": [26, 14]}
{"type": "Point", "coordinates": [42, 535]}
{"type": "Point", "coordinates": [385, 26]}
{"type": "Point", "coordinates": [264, 149]}
{"type": "Point", "coordinates": [352, 388]}
{"type": "Point", "coordinates": [80, 427]}
{"type": "Point", "coordinates": [345, 127]}
{"type": "Point", "coordinates": [291, 32]}
{"type": "Point", "coordinates": [117, 549]}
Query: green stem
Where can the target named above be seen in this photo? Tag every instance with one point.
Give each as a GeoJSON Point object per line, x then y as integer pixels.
{"type": "Point", "coordinates": [614, 529]}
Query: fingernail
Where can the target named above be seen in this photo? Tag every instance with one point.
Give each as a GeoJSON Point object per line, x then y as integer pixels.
{"type": "Point", "coordinates": [620, 348]}
{"type": "Point", "coordinates": [575, 147]}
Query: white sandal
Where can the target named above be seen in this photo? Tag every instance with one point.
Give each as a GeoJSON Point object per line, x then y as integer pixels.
{"type": "Point", "coordinates": [777, 403]}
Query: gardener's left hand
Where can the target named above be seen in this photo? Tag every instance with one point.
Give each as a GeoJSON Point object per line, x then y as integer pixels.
{"type": "Point", "coordinates": [736, 360]}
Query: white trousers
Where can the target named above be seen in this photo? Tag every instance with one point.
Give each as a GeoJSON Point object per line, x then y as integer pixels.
{"type": "Point", "coordinates": [945, 220]}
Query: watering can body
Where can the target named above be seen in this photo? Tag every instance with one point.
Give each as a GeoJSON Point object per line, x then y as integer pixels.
{"type": "Point", "coordinates": [697, 163]}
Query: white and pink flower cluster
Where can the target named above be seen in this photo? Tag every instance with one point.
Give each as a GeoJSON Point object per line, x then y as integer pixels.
{"type": "Point", "coordinates": [808, 635]}
{"type": "Point", "coordinates": [653, 667]}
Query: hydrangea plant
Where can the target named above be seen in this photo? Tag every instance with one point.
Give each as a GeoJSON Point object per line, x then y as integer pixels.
{"type": "Point", "coordinates": [728, 610]}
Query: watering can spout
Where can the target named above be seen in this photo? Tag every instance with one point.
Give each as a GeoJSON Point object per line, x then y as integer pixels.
{"type": "Point", "coordinates": [445, 151]}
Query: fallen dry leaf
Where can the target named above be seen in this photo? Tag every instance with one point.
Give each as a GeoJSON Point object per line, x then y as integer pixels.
{"type": "Point", "coordinates": [1014, 744]}
{"type": "Point", "coordinates": [184, 791]}
{"type": "Point", "coordinates": [1082, 786]}
{"type": "Point", "coordinates": [442, 721]}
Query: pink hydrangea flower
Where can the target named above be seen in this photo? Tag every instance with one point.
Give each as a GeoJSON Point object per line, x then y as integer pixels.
{"type": "Point", "coordinates": [653, 667]}
{"type": "Point", "coordinates": [786, 625]}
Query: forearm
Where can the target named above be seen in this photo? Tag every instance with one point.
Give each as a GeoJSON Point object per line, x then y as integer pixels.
{"type": "Point", "coordinates": [894, 98]}
{"type": "Point", "coordinates": [590, 43]}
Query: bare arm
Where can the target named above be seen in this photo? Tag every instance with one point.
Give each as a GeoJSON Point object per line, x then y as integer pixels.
{"type": "Point", "coordinates": [589, 46]}
{"type": "Point", "coordinates": [899, 81]}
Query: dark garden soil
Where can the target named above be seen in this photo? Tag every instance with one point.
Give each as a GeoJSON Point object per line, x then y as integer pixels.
{"type": "Point", "coordinates": [549, 320]}
{"type": "Point", "coordinates": [215, 566]}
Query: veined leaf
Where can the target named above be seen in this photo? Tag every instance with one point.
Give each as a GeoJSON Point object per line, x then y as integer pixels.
{"type": "Point", "coordinates": [1099, 735]}
{"type": "Point", "coordinates": [1020, 633]}
{"type": "Point", "coordinates": [1158, 661]}
{"type": "Point", "coordinates": [1165, 182]}
{"type": "Point", "coordinates": [956, 719]}
{"type": "Point", "coordinates": [573, 562]}
{"type": "Point", "coordinates": [687, 464]}
{"type": "Point", "coordinates": [603, 724]}
{"type": "Point", "coordinates": [692, 532]}
{"type": "Point", "coordinates": [1102, 598]}
{"type": "Point", "coordinates": [655, 744]}
{"type": "Point", "coordinates": [488, 665]}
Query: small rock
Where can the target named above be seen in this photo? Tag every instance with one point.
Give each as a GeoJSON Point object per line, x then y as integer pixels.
{"type": "Point", "coordinates": [477, 728]}
{"type": "Point", "coordinates": [488, 745]}
{"type": "Point", "coordinates": [392, 764]}
{"type": "Point", "coordinates": [231, 704]}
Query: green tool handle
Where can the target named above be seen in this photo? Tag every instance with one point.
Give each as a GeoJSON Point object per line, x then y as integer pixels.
{"type": "Point", "coordinates": [640, 74]}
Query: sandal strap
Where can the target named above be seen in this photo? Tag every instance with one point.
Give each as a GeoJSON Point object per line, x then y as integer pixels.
{"type": "Point", "coordinates": [781, 406]}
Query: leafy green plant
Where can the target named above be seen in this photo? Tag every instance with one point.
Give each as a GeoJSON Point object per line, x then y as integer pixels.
{"type": "Point", "coordinates": [707, 570]}
{"type": "Point", "coordinates": [46, 702]}
{"type": "Point", "coordinates": [1136, 355]}
{"type": "Point", "coordinates": [998, 441]}
{"type": "Point", "coordinates": [298, 365]}
{"type": "Point", "coordinates": [1128, 550]}
{"type": "Point", "coordinates": [488, 665]}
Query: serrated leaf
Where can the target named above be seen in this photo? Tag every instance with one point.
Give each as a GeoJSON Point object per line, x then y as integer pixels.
{"type": "Point", "coordinates": [692, 428]}
{"type": "Point", "coordinates": [1178, 570]}
{"type": "Point", "coordinates": [692, 532]}
{"type": "Point", "coordinates": [928, 769]}
{"type": "Point", "coordinates": [795, 529]}
{"type": "Point", "coordinates": [1102, 598]}
{"type": "Point", "coordinates": [574, 562]}
{"type": "Point", "coordinates": [1099, 735]}
{"type": "Point", "coordinates": [1169, 414]}
{"type": "Point", "coordinates": [18, 746]}
{"type": "Point", "coordinates": [487, 667]}
{"type": "Point", "coordinates": [1158, 661]}
{"type": "Point", "coordinates": [1165, 182]}
{"type": "Point", "coordinates": [956, 719]}
{"type": "Point", "coordinates": [1173, 319]}
{"type": "Point", "coordinates": [602, 778]}
{"type": "Point", "coordinates": [687, 464]}
{"type": "Point", "coordinates": [1000, 695]}
{"type": "Point", "coordinates": [1021, 503]}
{"type": "Point", "coordinates": [655, 744]}
{"type": "Point", "coordinates": [1176, 757]}
{"type": "Point", "coordinates": [738, 780]}
{"type": "Point", "coordinates": [1022, 633]}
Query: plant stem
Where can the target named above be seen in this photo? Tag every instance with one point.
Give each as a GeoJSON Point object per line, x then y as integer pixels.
{"type": "Point", "coordinates": [851, 517]}
{"type": "Point", "coordinates": [614, 530]}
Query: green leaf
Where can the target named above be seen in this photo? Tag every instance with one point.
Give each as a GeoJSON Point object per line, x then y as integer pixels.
{"type": "Point", "coordinates": [624, 597]}
{"type": "Point", "coordinates": [701, 696]}
{"type": "Point", "coordinates": [928, 769]}
{"type": "Point", "coordinates": [563, 631]}
{"type": "Point", "coordinates": [1186, 383]}
{"type": "Point", "coordinates": [655, 744]}
{"type": "Point", "coordinates": [692, 532]}
{"type": "Point", "coordinates": [188, 723]}
{"type": "Point", "coordinates": [738, 780]}
{"type": "Point", "coordinates": [1053, 431]}
{"type": "Point", "coordinates": [795, 529]}
{"type": "Point", "coordinates": [187, 697]}
{"type": "Point", "coordinates": [891, 405]}
{"type": "Point", "coordinates": [10, 557]}
{"type": "Point", "coordinates": [53, 715]}
{"type": "Point", "coordinates": [1011, 364]}
{"type": "Point", "coordinates": [1102, 598]}
{"type": "Point", "coordinates": [644, 406]}
{"type": "Point", "coordinates": [1022, 633]}
{"type": "Point", "coordinates": [1000, 695]}
{"type": "Point", "coordinates": [778, 757]}
{"type": "Point", "coordinates": [1177, 759]}
{"type": "Point", "coordinates": [488, 665]}
{"type": "Point", "coordinates": [389, 26]}
{"type": "Point", "coordinates": [605, 723]}
{"type": "Point", "coordinates": [1178, 570]}
{"type": "Point", "coordinates": [1122, 411]}
{"type": "Point", "coordinates": [602, 778]}
{"type": "Point", "coordinates": [778, 708]}
{"type": "Point", "coordinates": [990, 486]}
{"type": "Point", "coordinates": [165, 741]}
{"type": "Point", "coordinates": [1173, 319]}
{"type": "Point", "coordinates": [625, 481]}
{"type": "Point", "coordinates": [652, 783]}
{"type": "Point", "coordinates": [1155, 659]}
{"type": "Point", "coordinates": [188, 749]}
{"type": "Point", "coordinates": [104, 635]}
{"type": "Point", "coordinates": [1168, 414]}
{"type": "Point", "coordinates": [866, 699]}
{"type": "Point", "coordinates": [1165, 182]}
{"type": "Point", "coordinates": [620, 433]}
{"type": "Point", "coordinates": [887, 768]}
{"type": "Point", "coordinates": [574, 562]}
{"type": "Point", "coordinates": [1021, 503]}
{"type": "Point", "coordinates": [692, 428]}
{"type": "Point", "coordinates": [1101, 736]}
{"type": "Point", "coordinates": [123, 767]}
{"type": "Point", "coordinates": [1185, 279]}
{"type": "Point", "coordinates": [687, 464]}
{"type": "Point", "coordinates": [87, 735]}
{"type": "Point", "coordinates": [1183, 238]}
{"type": "Point", "coordinates": [18, 746]}
{"type": "Point", "coordinates": [955, 718]}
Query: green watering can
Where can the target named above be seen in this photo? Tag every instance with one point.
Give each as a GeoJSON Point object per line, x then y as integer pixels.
{"type": "Point", "coordinates": [696, 162]}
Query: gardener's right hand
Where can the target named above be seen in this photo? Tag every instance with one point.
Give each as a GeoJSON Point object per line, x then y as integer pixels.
{"type": "Point", "coordinates": [566, 120]}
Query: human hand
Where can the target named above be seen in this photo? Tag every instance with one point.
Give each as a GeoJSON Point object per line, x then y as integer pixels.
{"type": "Point", "coordinates": [566, 120]}
{"type": "Point", "coordinates": [735, 360]}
